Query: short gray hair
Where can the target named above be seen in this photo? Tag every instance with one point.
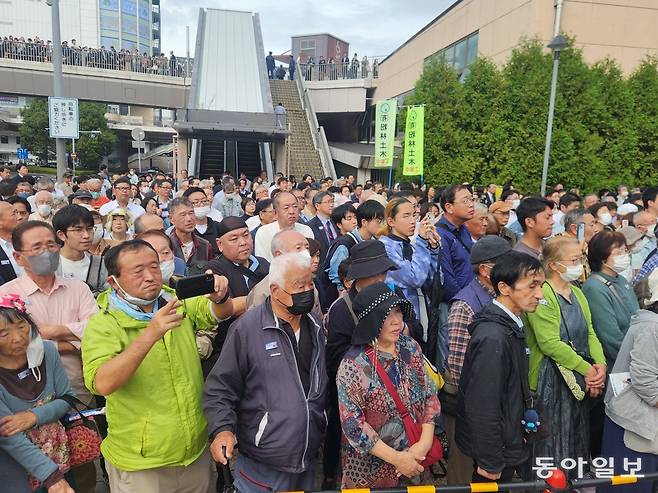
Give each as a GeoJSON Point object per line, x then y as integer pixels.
{"type": "Point", "coordinates": [176, 203]}
{"type": "Point", "coordinates": [281, 264]}
{"type": "Point", "coordinates": [574, 217]}
{"type": "Point", "coordinates": [480, 208]}
{"type": "Point", "coordinates": [45, 184]}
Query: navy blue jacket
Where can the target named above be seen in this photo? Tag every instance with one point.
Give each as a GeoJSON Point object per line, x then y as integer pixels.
{"type": "Point", "coordinates": [455, 257]}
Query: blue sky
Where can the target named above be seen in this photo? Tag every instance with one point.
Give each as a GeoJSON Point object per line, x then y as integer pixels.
{"type": "Point", "coordinates": [372, 27]}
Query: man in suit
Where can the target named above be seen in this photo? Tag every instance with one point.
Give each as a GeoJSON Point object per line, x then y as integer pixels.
{"type": "Point", "coordinates": [323, 229]}
{"type": "Point", "coordinates": [9, 269]}
{"type": "Point", "coordinates": [489, 196]}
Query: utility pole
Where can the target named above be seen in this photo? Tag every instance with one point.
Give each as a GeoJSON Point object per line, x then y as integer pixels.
{"type": "Point", "coordinates": [58, 81]}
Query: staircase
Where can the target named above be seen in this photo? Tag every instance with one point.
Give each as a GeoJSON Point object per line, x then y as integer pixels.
{"type": "Point", "coordinates": [211, 162]}
{"type": "Point", "coordinates": [303, 157]}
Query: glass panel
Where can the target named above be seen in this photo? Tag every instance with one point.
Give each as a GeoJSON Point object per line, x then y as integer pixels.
{"type": "Point", "coordinates": [109, 21]}
{"type": "Point", "coordinates": [143, 48]}
{"type": "Point", "coordinates": [109, 5]}
{"type": "Point", "coordinates": [109, 41]}
{"type": "Point", "coordinates": [472, 48]}
{"type": "Point", "coordinates": [144, 29]}
{"type": "Point", "coordinates": [450, 56]}
{"type": "Point", "coordinates": [128, 24]}
{"type": "Point", "coordinates": [128, 45]}
{"type": "Point", "coordinates": [144, 10]}
{"type": "Point", "coordinates": [129, 7]}
{"type": "Point", "coordinates": [460, 55]}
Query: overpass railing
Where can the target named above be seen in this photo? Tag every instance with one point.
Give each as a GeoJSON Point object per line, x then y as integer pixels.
{"type": "Point", "coordinates": [325, 70]}
{"type": "Point", "coordinates": [108, 59]}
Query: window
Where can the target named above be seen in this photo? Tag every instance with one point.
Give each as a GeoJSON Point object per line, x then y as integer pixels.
{"type": "Point", "coordinates": [4, 139]}
{"type": "Point", "coordinates": [307, 47]}
{"type": "Point", "coordinates": [458, 55]}
{"type": "Point", "coordinates": [18, 140]}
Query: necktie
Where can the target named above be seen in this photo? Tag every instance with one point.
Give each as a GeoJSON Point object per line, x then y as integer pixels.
{"type": "Point", "coordinates": [330, 233]}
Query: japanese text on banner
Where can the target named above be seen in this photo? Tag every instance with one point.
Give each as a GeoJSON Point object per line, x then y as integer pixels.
{"type": "Point", "coordinates": [414, 141]}
{"type": "Point", "coordinates": [385, 115]}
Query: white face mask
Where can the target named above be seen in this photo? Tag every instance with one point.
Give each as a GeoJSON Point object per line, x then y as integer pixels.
{"type": "Point", "coordinates": [605, 219]}
{"type": "Point", "coordinates": [620, 263]}
{"type": "Point", "coordinates": [134, 299]}
{"type": "Point", "coordinates": [650, 232]}
{"type": "Point", "coordinates": [44, 209]}
{"type": "Point", "coordinates": [573, 272]}
{"type": "Point", "coordinates": [202, 212]}
{"type": "Point", "coordinates": [167, 268]}
{"type": "Point", "coordinates": [145, 190]}
{"type": "Point", "coordinates": [98, 234]}
{"type": "Point", "coordinates": [34, 355]}
{"type": "Point", "coordinates": [306, 254]}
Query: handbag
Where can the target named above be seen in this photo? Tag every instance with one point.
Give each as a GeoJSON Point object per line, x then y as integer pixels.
{"type": "Point", "coordinates": [411, 428]}
{"type": "Point", "coordinates": [83, 436]}
{"type": "Point", "coordinates": [52, 441]}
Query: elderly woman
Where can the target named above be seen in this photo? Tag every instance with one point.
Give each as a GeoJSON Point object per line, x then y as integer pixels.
{"type": "Point", "coordinates": [32, 384]}
{"type": "Point", "coordinates": [630, 431]}
{"type": "Point", "coordinates": [378, 452]}
{"type": "Point", "coordinates": [567, 365]}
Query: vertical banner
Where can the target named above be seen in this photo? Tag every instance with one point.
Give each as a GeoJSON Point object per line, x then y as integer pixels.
{"type": "Point", "coordinates": [414, 140]}
{"type": "Point", "coordinates": [385, 115]}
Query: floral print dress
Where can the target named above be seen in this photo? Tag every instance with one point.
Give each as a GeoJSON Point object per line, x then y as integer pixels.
{"type": "Point", "coordinates": [368, 413]}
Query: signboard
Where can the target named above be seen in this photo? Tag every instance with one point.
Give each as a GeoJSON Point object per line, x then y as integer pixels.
{"type": "Point", "coordinates": [22, 153]}
{"type": "Point", "coordinates": [414, 140]}
{"type": "Point", "coordinates": [63, 118]}
{"type": "Point", "coordinates": [385, 115]}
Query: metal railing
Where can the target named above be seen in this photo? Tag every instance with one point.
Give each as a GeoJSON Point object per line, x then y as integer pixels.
{"type": "Point", "coordinates": [322, 70]}
{"type": "Point", "coordinates": [108, 59]}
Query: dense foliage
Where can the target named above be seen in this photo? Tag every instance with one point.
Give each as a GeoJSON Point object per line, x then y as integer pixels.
{"type": "Point", "coordinates": [492, 126]}
{"type": "Point", "coordinates": [90, 149]}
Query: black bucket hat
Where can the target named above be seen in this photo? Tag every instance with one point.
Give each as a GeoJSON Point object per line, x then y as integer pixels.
{"type": "Point", "coordinates": [371, 307]}
{"type": "Point", "coordinates": [368, 259]}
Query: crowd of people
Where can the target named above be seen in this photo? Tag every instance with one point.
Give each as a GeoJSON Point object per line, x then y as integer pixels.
{"type": "Point", "coordinates": [324, 69]}
{"type": "Point", "coordinates": [352, 335]}
{"type": "Point", "coordinates": [131, 60]}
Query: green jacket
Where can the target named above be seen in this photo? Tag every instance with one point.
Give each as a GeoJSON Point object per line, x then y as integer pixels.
{"type": "Point", "coordinates": [611, 318]}
{"type": "Point", "coordinates": [543, 336]}
{"type": "Point", "coordinates": [156, 418]}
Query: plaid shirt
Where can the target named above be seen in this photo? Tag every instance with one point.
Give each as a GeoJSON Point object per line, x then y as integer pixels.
{"type": "Point", "coordinates": [647, 268]}
{"type": "Point", "coordinates": [460, 317]}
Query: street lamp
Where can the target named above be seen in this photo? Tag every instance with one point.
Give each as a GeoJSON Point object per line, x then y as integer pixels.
{"type": "Point", "coordinates": [558, 44]}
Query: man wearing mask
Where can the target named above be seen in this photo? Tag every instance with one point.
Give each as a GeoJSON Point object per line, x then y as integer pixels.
{"type": "Point", "coordinates": [241, 267]}
{"type": "Point", "coordinates": [274, 361]}
{"type": "Point", "coordinates": [466, 304]}
{"type": "Point", "coordinates": [59, 306]}
{"type": "Point", "coordinates": [205, 227]}
{"type": "Point", "coordinates": [99, 199]}
{"type": "Point", "coordinates": [43, 200]}
{"type": "Point", "coordinates": [74, 227]}
{"type": "Point", "coordinates": [9, 268]}
{"type": "Point", "coordinates": [229, 203]}
{"type": "Point", "coordinates": [139, 351]}
{"type": "Point", "coordinates": [286, 208]}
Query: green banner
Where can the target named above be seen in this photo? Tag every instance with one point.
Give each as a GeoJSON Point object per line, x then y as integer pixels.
{"type": "Point", "coordinates": [414, 140]}
{"type": "Point", "coordinates": [385, 115]}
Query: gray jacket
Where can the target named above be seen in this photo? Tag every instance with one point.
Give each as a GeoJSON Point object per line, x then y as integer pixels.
{"type": "Point", "coordinates": [254, 390]}
{"type": "Point", "coordinates": [634, 409]}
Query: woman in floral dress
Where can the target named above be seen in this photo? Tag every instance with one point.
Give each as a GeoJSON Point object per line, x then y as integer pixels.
{"type": "Point", "coordinates": [376, 452]}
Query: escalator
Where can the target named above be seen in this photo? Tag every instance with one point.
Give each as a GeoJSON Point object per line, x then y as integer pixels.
{"type": "Point", "coordinates": [211, 162]}
{"type": "Point", "coordinates": [249, 159]}
{"type": "Point", "coordinates": [218, 156]}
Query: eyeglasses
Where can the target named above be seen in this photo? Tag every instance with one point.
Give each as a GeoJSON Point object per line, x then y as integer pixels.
{"type": "Point", "coordinates": [122, 189]}
{"type": "Point", "coordinates": [81, 229]}
{"type": "Point", "coordinates": [465, 201]}
{"type": "Point", "coordinates": [39, 249]}
{"type": "Point", "coordinates": [200, 203]}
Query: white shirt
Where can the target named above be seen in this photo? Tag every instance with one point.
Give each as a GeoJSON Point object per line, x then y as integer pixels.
{"type": "Point", "coordinates": [264, 235]}
{"type": "Point", "coordinates": [516, 319]}
{"type": "Point", "coordinates": [8, 247]}
{"type": "Point", "coordinates": [134, 209]}
{"type": "Point", "coordinates": [253, 222]}
{"type": "Point", "coordinates": [74, 269]}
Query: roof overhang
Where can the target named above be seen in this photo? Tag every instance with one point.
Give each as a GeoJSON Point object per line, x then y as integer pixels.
{"type": "Point", "coordinates": [223, 125]}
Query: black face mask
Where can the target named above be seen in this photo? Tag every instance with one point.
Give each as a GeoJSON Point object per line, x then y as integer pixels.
{"type": "Point", "coordinates": [302, 303]}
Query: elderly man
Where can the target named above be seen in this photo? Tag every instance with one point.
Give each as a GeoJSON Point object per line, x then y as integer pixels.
{"type": "Point", "coordinates": [140, 352]}
{"type": "Point", "coordinates": [187, 245]}
{"type": "Point", "coordinates": [287, 214]}
{"type": "Point", "coordinates": [477, 225]}
{"type": "Point", "coordinates": [645, 222]}
{"type": "Point", "coordinates": [121, 190]}
{"type": "Point", "coordinates": [9, 268]}
{"type": "Point", "coordinates": [147, 222]}
{"type": "Point", "coordinates": [82, 197]}
{"type": "Point", "coordinates": [99, 199]}
{"type": "Point", "coordinates": [59, 306]}
{"type": "Point", "coordinates": [43, 202]}
{"type": "Point", "coordinates": [267, 390]}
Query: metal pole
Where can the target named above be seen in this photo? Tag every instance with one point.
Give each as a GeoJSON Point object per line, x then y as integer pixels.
{"type": "Point", "coordinates": [58, 82]}
{"type": "Point", "coordinates": [139, 155]}
{"type": "Point", "coordinates": [559, 5]}
{"type": "Point", "coordinates": [74, 154]}
{"type": "Point", "coordinates": [187, 40]}
{"type": "Point", "coordinates": [549, 126]}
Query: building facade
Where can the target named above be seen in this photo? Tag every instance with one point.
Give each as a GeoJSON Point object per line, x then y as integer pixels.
{"type": "Point", "coordinates": [124, 24]}
{"type": "Point", "coordinates": [319, 45]}
{"type": "Point", "coordinates": [623, 30]}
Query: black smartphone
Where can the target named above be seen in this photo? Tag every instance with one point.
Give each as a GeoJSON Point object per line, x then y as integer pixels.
{"type": "Point", "coordinates": [189, 287]}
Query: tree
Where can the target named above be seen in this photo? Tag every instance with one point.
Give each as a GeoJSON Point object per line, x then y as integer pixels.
{"type": "Point", "coordinates": [90, 149]}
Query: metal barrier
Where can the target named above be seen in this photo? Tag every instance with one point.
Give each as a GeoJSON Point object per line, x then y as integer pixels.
{"type": "Point", "coordinates": [539, 485]}
{"type": "Point", "coordinates": [108, 59]}
{"type": "Point", "coordinates": [323, 70]}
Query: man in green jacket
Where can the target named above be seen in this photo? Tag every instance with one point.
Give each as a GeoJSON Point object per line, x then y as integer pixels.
{"type": "Point", "coordinates": [140, 352]}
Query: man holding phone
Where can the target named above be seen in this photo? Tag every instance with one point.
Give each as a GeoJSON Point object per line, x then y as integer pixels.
{"type": "Point", "coordinates": [140, 352]}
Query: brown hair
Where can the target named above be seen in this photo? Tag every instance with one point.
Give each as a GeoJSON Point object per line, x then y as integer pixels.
{"type": "Point", "coordinates": [600, 247]}
{"type": "Point", "coordinates": [391, 211]}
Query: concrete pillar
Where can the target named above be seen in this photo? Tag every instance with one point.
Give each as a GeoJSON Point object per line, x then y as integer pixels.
{"type": "Point", "coordinates": [280, 158]}
{"type": "Point", "coordinates": [182, 156]}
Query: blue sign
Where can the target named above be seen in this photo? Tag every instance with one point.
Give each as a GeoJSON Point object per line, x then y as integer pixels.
{"type": "Point", "coordinates": [22, 154]}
